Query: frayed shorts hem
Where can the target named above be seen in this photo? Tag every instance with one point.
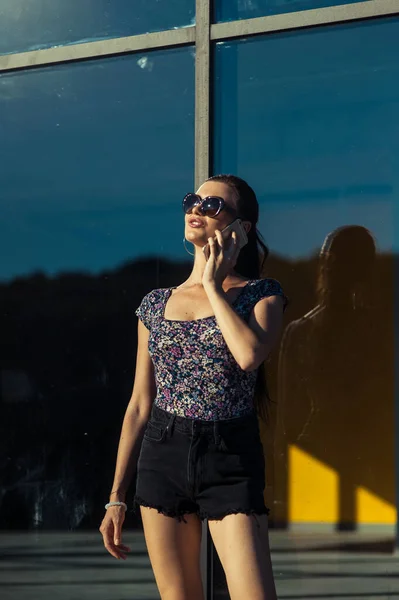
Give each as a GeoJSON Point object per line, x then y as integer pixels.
{"type": "Point", "coordinates": [180, 513]}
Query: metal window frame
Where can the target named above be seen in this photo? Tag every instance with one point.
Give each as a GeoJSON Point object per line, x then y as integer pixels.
{"type": "Point", "coordinates": [305, 18]}
{"type": "Point", "coordinates": [202, 36]}
{"type": "Point", "coordinates": [97, 49]}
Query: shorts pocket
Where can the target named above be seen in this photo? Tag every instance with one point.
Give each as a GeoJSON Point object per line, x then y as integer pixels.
{"type": "Point", "coordinates": [155, 431]}
{"type": "Point", "coordinates": [243, 440]}
{"type": "Point", "coordinates": [241, 446]}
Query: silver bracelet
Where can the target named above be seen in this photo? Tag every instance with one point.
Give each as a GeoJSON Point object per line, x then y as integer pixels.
{"type": "Point", "coordinates": [116, 504]}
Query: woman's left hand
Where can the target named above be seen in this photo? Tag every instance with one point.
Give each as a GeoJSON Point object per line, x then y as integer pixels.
{"type": "Point", "coordinates": [223, 256]}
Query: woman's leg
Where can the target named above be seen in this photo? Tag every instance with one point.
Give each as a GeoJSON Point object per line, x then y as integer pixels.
{"type": "Point", "coordinates": [244, 552]}
{"type": "Point", "coordinates": [174, 551]}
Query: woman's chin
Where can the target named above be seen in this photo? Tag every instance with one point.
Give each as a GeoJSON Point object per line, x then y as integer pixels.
{"type": "Point", "coordinates": [197, 239]}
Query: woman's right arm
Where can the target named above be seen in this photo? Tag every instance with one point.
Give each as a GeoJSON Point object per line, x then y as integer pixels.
{"type": "Point", "coordinates": [134, 423]}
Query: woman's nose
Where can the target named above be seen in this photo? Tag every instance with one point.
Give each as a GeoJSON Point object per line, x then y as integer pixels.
{"type": "Point", "coordinates": [197, 209]}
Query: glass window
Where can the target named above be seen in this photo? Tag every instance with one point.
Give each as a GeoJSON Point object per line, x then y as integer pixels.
{"type": "Point", "coordinates": [311, 120]}
{"type": "Point", "coordinates": [95, 159]}
{"type": "Point", "coordinates": [227, 10]}
{"type": "Point", "coordinates": [43, 23]}
{"type": "Point", "coordinates": [95, 155]}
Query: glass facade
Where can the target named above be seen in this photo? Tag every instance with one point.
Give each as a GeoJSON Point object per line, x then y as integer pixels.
{"type": "Point", "coordinates": [310, 119]}
{"type": "Point", "coordinates": [227, 10]}
{"type": "Point", "coordinates": [45, 23]}
{"type": "Point", "coordinates": [95, 158]}
{"type": "Point", "coordinates": [89, 148]}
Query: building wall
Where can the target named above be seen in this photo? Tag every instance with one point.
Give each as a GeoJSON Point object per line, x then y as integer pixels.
{"type": "Point", "coordinates": [96, 157]}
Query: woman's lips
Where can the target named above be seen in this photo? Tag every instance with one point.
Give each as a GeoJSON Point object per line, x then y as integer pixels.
{"type": "Point", "coordinates": [195, 224]}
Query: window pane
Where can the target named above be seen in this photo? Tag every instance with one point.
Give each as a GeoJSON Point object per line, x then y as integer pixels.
{"type": "Point", "coordinates": [95, 159]}
{"type": "Point", "coordinates": [228, 10]}
{"type": "Point", "coordinates": [43, 23]}
{"type": "Point", "coordinates": [311, 120]}
{"type": "Point", "coordinates": [93, 153]}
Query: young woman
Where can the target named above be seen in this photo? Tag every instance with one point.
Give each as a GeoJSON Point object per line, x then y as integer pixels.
{"type": "Point", "coordinates": [191, 425]}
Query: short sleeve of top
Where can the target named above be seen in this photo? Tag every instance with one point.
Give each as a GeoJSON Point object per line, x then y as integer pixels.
{"type": "Point", "coordinates": [265, 288]}
{"type": "Point", "coordinates": [147, 308]}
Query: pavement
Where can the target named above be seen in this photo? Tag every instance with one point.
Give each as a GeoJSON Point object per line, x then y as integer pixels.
{"type": "Point", "coordinates": [307, 566]}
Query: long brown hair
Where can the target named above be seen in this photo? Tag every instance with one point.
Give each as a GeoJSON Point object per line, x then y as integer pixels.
{"type": "Point", "coordinates": [250, 264]}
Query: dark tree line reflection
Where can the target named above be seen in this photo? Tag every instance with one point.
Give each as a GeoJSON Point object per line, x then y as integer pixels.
{"type": "Point", "coordinates": [67, 369]}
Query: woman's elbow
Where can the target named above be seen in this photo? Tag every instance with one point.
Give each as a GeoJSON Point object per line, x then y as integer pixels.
{"type": "Point", "coordinates": [254, 361]}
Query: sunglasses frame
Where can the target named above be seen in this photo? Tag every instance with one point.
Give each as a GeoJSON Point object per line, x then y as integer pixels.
{"type": "Point", "coordinates": [200, 201]}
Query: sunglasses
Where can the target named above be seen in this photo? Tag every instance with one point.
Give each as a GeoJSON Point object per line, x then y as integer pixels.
{"type": "Point", "coordinates": [208, 207]}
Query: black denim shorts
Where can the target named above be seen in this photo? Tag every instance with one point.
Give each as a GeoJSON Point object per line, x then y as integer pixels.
{"type": "Point", "coordinates": [211, 468]}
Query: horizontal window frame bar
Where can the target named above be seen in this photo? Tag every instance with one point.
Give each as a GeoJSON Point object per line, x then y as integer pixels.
{"type": "Point", "coordinates": [306, 18]}
{"type": "Point", "coordinates": [98, 49]}
{"type": "Point", "coordinates": [187, 35]}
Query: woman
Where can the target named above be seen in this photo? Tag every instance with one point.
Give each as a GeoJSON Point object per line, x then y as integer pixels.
{"type": "Point", "coordinates": [191, 425]}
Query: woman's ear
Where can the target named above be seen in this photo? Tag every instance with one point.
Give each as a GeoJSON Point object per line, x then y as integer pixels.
{"type": "Point", "coordinates": [247, 226]}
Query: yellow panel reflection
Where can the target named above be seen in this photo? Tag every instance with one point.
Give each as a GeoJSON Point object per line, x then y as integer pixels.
{"type": "Point", "coordinates": [373, 509]}
{"type": "Point", "coordinates": [313, 489]}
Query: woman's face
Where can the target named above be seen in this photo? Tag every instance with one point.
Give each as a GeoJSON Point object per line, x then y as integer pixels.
{"type": "Point", "coordinates": [207, 225]}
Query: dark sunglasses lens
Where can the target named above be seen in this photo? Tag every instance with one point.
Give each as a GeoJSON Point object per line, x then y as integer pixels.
{"type": "Point", "coordinates": [190, 201]}
{"type": "Point", "coordinates": [211, 206]}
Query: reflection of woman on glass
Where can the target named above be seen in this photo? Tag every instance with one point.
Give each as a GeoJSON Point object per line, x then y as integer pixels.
{"type": "Point", "coordinates": [330, 373]}
{"type": "Point", "coordinates": [196, 395]}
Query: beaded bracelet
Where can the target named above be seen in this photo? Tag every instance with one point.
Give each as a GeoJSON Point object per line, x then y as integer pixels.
{"type": "Point", "coordinates": [116, 504]}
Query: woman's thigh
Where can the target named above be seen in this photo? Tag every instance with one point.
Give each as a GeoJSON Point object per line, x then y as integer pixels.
{"type": "Point", "coordinates": [174, 550]}
{"type": "Point", "coordinates": [242, 544]}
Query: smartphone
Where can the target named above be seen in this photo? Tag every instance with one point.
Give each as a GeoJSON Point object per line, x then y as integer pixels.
{"type": "Point", "coordinates": [236, 226]}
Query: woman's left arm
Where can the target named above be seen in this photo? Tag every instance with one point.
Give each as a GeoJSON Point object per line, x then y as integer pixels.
{"type": "Point", "coordinates": [250, 343]}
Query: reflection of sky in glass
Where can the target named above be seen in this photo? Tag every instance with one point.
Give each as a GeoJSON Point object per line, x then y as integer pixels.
{"type": "Point", "coordinates": [31, 24]}
{"type": "Point", "coordinates": [95, 159]}
{"type": "Point", "coordinates": [310, 119]}
{"type": "Point", "coordinates": [98, 155]}
{"type": "Point", "coordinates": [230, 10]}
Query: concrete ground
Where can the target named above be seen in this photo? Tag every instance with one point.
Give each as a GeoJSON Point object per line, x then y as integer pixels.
{"type": "Point", "coordinates": [75, 566]}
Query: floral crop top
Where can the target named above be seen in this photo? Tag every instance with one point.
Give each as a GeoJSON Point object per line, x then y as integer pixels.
{"type": "Point", "coordinates": [196, 375]}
